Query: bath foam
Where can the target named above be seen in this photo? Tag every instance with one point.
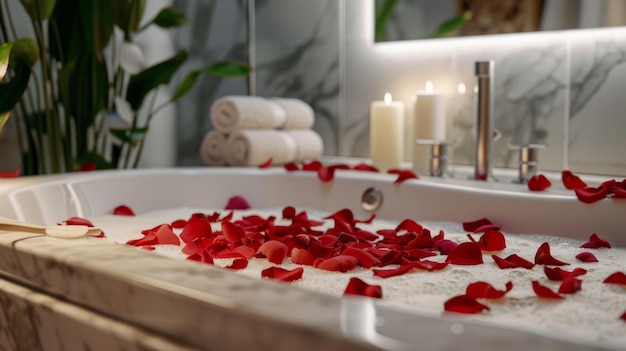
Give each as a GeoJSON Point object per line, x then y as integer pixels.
{"type": "Point", "coordinates": [590, 315]}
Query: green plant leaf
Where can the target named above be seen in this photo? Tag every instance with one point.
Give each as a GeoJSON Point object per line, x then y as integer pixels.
{"type": "Point", "coordinates": [132, 135]}
{"type": "Point", "coordinates": [220, 69]}
{"type": "Point", "coordinates": [451, 27]}
{"type": "Point", "coordinates": [99, 160]}
{"type": "Point", "coordinates": [128, 14]}
{"type": "Point", "coordinates": [80, 28]}
{"type": "Point", "coordinates": [39, 10]}
{"type": "Point", "coordinates": [143, 82]}
{"type": "Point", "coordinates": [24, 50]}
{"type": "Point", "coordinates": [228, 69]}
{"type": "Point", "coordinates": [96, 19]}
{"type": "Point", "coordinates": [83, 88]}
{"type": "Point", "coordinates": [4, 117]}
{"type": "Point", "coordinates": [169, 17]}
{"type": "Point", "coordinates": [11, 92]}
{"type": "Point", "coordinates": [383, 12]}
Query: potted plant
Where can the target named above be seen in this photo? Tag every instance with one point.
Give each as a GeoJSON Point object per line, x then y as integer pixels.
{"type": "Point", "coordinates": [67, 85]}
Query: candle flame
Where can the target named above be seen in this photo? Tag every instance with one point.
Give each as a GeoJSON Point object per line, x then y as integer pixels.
{"type": "Point", "coordinates": [429, 87]}
{"type": "Point", "coordinates": [387, 98]}
{"type": "Point", "coordinates": [461, 88]}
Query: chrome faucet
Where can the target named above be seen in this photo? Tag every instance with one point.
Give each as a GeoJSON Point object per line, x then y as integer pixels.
{"type": "Point", "coordinates": [484, 120]}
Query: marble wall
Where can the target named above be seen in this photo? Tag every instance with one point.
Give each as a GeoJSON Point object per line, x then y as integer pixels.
{"type": "Point", "coordinates": [561, 89]}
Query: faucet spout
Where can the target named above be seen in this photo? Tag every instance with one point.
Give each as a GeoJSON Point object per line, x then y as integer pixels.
{"type": "Point", "coordinates": [484, 120]}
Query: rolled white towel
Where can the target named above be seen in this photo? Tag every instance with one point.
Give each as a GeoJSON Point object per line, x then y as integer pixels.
{"type": "Point", "coordinates": [298, 114]}
{"type": "Point", "coordinates": [254, 147]}
{"type": "Point", "coordinates": [213, 148]}
{"type": "Point", "coordinates": [309, 144]}
{"type": "Point", "coordinates": [230, 113]}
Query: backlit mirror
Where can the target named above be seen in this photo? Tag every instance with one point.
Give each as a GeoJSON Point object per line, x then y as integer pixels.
{"type": "Point", "coordinates": [426, 19]}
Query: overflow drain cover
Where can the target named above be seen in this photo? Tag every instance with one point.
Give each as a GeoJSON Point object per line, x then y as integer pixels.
{"type": "Point", "coordinates": [372, 199]}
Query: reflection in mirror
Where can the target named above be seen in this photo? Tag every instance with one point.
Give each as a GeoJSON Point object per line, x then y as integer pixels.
{"type": "Point", "coordinates": [427, 19]}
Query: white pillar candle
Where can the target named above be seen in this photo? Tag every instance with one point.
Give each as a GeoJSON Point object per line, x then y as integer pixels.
{"type": "Point", "coordinates": [386, 133]}
{"type": "Point", "coordinates": [429, 122]}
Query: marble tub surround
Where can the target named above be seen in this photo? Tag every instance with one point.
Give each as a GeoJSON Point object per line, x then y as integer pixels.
{"type": "Point", "coordinates": [208, 307]}
{"type": "Point", "coordinates": [32, 320]}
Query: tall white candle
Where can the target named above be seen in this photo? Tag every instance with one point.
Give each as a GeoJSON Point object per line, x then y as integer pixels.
{"type": "Point", "coordinates": [429, 122]}
{"type": "Point", "coordinates": [386, 133]}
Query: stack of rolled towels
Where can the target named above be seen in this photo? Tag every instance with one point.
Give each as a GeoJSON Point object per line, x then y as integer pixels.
{"type": "Point", "coordinates": [249, 130]}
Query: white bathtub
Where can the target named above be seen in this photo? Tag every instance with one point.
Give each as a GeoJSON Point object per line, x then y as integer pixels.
{"type": "Point", "coordinates": [204, 307]}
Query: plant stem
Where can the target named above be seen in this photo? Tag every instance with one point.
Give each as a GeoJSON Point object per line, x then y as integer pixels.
{"type": "Point", "coordinates": [148, 119]}
{"type": "Point", "coordinates": [3, 29]}
{"type": "Point", "coordinates": [53, 130]}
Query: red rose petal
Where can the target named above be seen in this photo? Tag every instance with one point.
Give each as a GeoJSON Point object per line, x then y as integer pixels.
{"type": "Point", "coordinates": [492, 241]}
{"type": "Point", "coordinates": [289, 212]}
{"type": "Point", "coordinates": [165, 235]}
{"type": "Point", "coordinates": [587, 257]}
{"type": "Point", "coordinates": [87, 166]}
{"type": "Point", "coordinates": [238, 263]}
{"type": "Point", "coordinates": [446, 246]}
{"type": "Point", "coordinates": [545, 292]}
{"type": "Point", "coordinates": [544, 257]}
{"type": "Point", "coordinates": [366, 259]}
{"type": "Point", "coordinates": [466, 254]}
{"type": "Point", "coordinates": [341, 263]}
{"type": "Point", "coordinates": [123, 210]}
{"type": "Point", "coordinates": [410, 226]}
{"type": "Point", "coordinates": [538, 182]}
{"type": "Point", "coordinates": [595, 242]}
{"type": "Point", "coordinates": [558, 274]}
{"type": "Point", "coordinates": [571, 181]}
{"type": "Point", "coordinates": [78, 221]}
{"type": "Point", "coordinates": [430, 266]}
{"type": "Point", "coordinates": [320, 251]}
{"type": "Point", "coordinates": [618, 191]}
{"type": "Point", "coordinates": [196, 229]}
{"type": "Point", "coordinates": [290, 167]}
{"type": "Point", "coordinates": [590, 195]}
{"type": "Point", "coordinates": [512, 261]}
{"type": "Point", "coordinates": [358, 287]}
{"type": "Point", "coordinates": [570, 286]}
{"type": "Point", "coordinates": [245, 251]}
{"type": "Point", "coordinates": [403, 174]}
{"type": "Point", "coordinates": [483, 290]}
{"type": "Point", "coordinates": [623, 316]}
{"type": "Point", "coordinates": [275, 251]}
{"type": "Point", "coordinates": [282, 274]}
{"type": "Point", "coordinates": [474, 226]}
{"type": "Point", "coordinates": [616, 278]}
{"type": "Point", "coordinates": [387, 273]}
{"type": "Point", "coordinates": [237, 203]}
{"type": "Point", "coordinates": [340, 166]}
{"type": "Point", "coordinates": [233, 233]}
{"type": "Point", "coordinates": [302, 257]}
{"type": "Point", "coordinates": [464, 304]}
{"type": "Point", "coordinates": [312, 166]}
{"type": "Point", "coordinates": [266, 164]}
{"type": "Point", "coordinates": [179, 223]}
{"type": "Point", "coordinates": [326, 174]}
{"type": "Point", "coordinates": [365, 167]}
{"type": "Point", "coordinates": [12, 174]}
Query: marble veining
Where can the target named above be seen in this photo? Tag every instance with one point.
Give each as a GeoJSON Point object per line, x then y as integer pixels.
{"type": "Point", "coordinates": [200, 303]}
{"type": "Point", "coordinates": [32, 321]}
